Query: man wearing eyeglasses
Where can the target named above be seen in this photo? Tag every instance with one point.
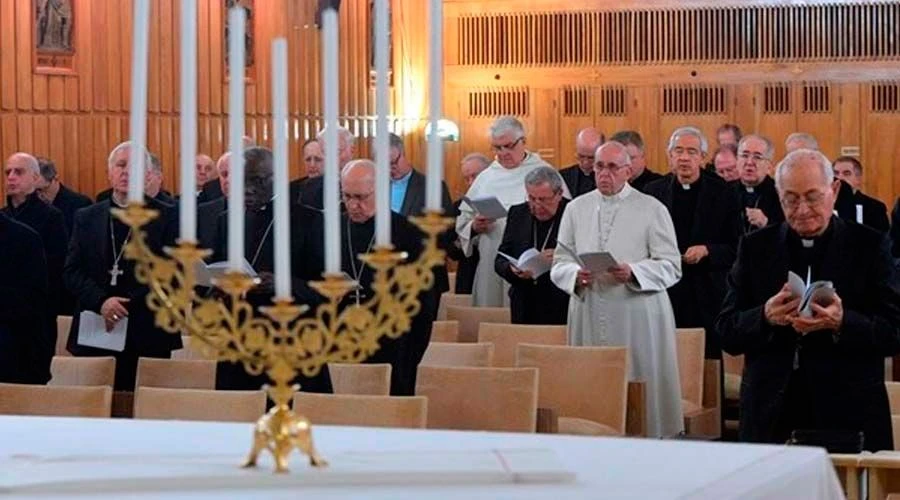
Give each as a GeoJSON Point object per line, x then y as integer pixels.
{"type": "Point", "coordinates": [755, 189]}
{"type": "Point", "coordinates": [626, 304]}
{"type": "Point", "coordinates": [505, 180]}
{"type": "Point", "coordinates": [822, 371]}
{"type": "Point", "coordinates": [580, 177]}
{"type": "Point", "coordinates": [705, 213]}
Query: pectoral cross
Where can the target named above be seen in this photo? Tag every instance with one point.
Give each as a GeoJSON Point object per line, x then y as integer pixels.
{"type": "Point", "coordinates": [114, 274]}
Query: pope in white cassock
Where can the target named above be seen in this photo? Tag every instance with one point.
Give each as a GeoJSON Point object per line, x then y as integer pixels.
{"type": "Point", "coordinates": [627, 305]}
{"type": "Point", "coordinates": [504, 179]}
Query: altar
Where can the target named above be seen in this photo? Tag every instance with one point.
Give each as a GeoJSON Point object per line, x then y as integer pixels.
{"type": "Point", "coordinates": [36, 452]}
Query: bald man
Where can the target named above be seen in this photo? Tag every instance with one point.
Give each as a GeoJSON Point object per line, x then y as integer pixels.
{"type": "Point", "coordinates": [23, 173]}
{"type": "Point", "coordinates": [580, 176]}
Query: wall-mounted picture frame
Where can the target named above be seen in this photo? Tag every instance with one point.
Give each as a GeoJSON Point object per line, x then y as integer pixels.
{"type": "Point", "coordinates": [54, 42]}
{"type": "Point", "coordinates": [249, 7]}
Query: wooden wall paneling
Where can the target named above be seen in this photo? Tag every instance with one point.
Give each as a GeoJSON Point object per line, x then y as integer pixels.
{"type": "Point", "coordinates": [9, 135]}
{"type": "Point", "coordinates": [204, 60]}
{"type": "Point", "coordinates": [743, 107]}
{"type": "Point", "coordinates": [24, 90]}
{"type": "Point", "coordinates": [543, 132]}
{"type": "Point", "coordinates": [80, 170]}
{"type": "Point", "coordinates": [169, 84]}
{"type": "Point", "coordinates": [849, 114]}
{"type": "Point", "coordinates": [154, 136]}
{"type": "Point", "coordinates": [85, 37]}
{"type": "Point", "coordinates": [56, 98]}
{"type": "Point", "coordinates": [154, 69]}
{"type": "Point", "coordinates": [778, 117]}
{"type": "Point", "coordinates": [39, 92]}
{"type": "Point", "coordinates": [100, 41]}
{"type": "Point", "coordinates": [8, 73]}
{"type": "Point", "coordinates": [880, 117]}
{"type": "Point", "coordinates": [101, 151]}
{"type": "Point", "coordinates": [643, 117]}
{"type": "Point", "coordinates": [168, 153]}
{"type": "Point", "coordinates": [217, 70]}
{"type": "Point", "coordinates": [818, 115]}
{"type": "Point", "coordinates": [70, 89]}
{"type": "Point", "coordinates": [117, 17]}
{"type": "Point", "coordinates": [57, 143]}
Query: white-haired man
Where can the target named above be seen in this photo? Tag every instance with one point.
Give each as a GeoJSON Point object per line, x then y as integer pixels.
{"type": "Point", "coordinates": [706, 216]}
{"type": "Point", "coordinates": [102, 279]}
{"type": "Point", "coordinates": [800, 140]}
{"type": "Point", "coordinates": [824, 371]}
{"type": "Point", "coordinates": [505, 180]}
{"type": "Point", "coordinates": [23, 205]}
{"type": "Point", "coordinates": [625, 305]}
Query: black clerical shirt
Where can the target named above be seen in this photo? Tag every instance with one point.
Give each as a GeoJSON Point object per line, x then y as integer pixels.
{"type": "Point", "coordinates": [684, 205]}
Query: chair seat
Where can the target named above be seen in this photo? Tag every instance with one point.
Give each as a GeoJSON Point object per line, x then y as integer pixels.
{"type": "Point", "coordinates": [689, 409]}
{"type": "Point", "coordinates": [584, 427]}
{"type": "Point", "coordinates": [732, 386]}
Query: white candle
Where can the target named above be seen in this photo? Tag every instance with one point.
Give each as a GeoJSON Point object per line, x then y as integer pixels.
{"type": "Point", "coordinates": [236, 21]}
{"type": "Point", "coordinates": [435, 79]}
{"type": "Point", "coordinates": [188, 222]}
{"type": "Point", "coordinates": [382, 143]}
{"type": "Point", "coordinates": [332, 175]}
{"type": "Point", "coordinates": [138, 125]}
{"type": "Point", "coordinates": [280, 154]}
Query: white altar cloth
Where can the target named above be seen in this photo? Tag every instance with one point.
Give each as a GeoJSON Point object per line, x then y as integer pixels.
{"type": "Point", "coordinates": [603, 467]}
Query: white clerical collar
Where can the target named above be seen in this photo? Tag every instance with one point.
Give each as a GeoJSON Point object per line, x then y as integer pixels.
{"type": "Point", "coordinates": [621, 195]}
{"type": "Point", "coordinates": [807, 243]}
{"type": "Point", "coordinates": [749, 189]}
{"type": "Point", "coordinates": [686, 187]}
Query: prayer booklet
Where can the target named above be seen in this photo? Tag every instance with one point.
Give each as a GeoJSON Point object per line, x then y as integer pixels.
{"type": "Point", "coordinates": [819, 292]}
{"type": "Point", "coordinates": [92, 332]}
{"type": "Point", "coordinates": [206, 273]}
{"type": "Point", "coordinates": [530, 260]}
{"type": "Point", "coordinates": [595, 262]}
{"type": "Point", "coordinates": [487, 206]}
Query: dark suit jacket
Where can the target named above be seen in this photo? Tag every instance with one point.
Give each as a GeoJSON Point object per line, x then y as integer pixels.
{"type": "Point", "coordinates": [163, 196]}
{"type": "Point", "coordinates": [68, 202]}
{"type": "Point", "coordinates": [86, 275]}
{"type": "Point", "coordinates": [895, 229]}
{"type": "Point", "coordinates": [647, 176]}
{"type": "Point", "coordinates": [577, 182]}
{"type": "Point", "coordinates": [310, 193]}
{"type": "Point", "coordinates": [533, 302]}
{"type": "Point", "coordinates": [846, 371]}
{"type": "Point", "coordinates": [465, 270]}
{"type": "Point", "coordinates": [768, 202]}
{"type": "Point", "coordinates": [210, 191]}
{"type": "Point", "coordinates": [874, 212]}
{"type": "Point", "coordinates": [295, 188]}
{"type": "Point", "coordinates": [208, 222]}
{"type": "Point", "coordinates": [697, 298]}
{"type": "Point", "coordinates": [23, 299]}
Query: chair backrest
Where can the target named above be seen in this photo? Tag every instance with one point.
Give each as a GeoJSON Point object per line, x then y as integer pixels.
{"type": "Point", "coordinates": [362, 410]}
{"type": "Point", "coordinates": [457, 354]}
{"type": "Point", "coordinates": [452, 299]}
{"type": "Point", "coordinates": [71, 370]}
{"type": "Point", "coordinates": [198, 404]}
{"type": "Point", "coordinates": [63, 325]}
{"type": "Point", "coordinates": [690, 348]}
{"type": "Point", "coordinates": [588, 383]}
{"type": "Point", "coordinates": [451, 278]}
{"type": "Point", "coordinates": [189, 351]}
{"type": "Point", "coordinates": [470, 317]}
{"type": "Point", "coordinates": [893, 391]}
{"type": "Point", "coordinates": [176, 373]}
{"type": "Point", "coordinates": [733, 364]}
{"type": "Point", "coordinates": [60, 401]}
{"type": "Point", "coordinates": [445, 331]}
{"type": "Point", "coordinates": [507, 337]}
{"type": "Point", "coordinates": [490, 399]}
{"type": "Point", "coordinates": [371, 379]}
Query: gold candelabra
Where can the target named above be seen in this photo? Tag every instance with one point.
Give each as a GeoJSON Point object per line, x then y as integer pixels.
{"type": "Point", "coordinates": [283, 342]}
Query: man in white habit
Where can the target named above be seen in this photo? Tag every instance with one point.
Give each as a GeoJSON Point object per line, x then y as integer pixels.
{"type": "Point", "coordinates": [627, 305]}
{"type": "Point", "coordinates": [505, 179]}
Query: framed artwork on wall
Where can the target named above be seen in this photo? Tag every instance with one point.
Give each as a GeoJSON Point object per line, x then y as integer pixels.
{"type": "Point", "coordinates": [54, 47]}
{"type": "Point", "coordinates": [249, 36]}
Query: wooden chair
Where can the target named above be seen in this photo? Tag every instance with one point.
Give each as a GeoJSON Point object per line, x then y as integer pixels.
{"type": "Point", "coordinates": [176, 373]}
{"type": "Point", "coordinates": [470, 317]}
{"type": "Point", "coordinates": [490, 399]}
{"type": "Point", "coordinates": [190, 351]}
{"type": "Point", "coordinates": [699, 384]}
{"type": "Point", "coordinates": [71, 370]}
{"type": "Point", "coordinates": [457, 354]}
{"type": "Point", "coordinates": [884, 474]}
{"type": "Point", "coordinates": [60, 401]}
{"type": "Point", "coordinates": [362, 410]}
{"type": "Point", "coordinates": [452, 280]}
{"type": "Point", "coordinates": [893, 391]}
{"type": "Point", "coordinates": [63, 325]}
{"type": "Point", "coordinates": [588, 386]}
{"type": "Point", "coordinates": [445, 331]}
{"type": "Point", "coordinates": [507, 337]}
{"type": "Point", "coordinates": [452, 299]}
{"type": "Point", "coordinates": [362, 379]}
{"type": "Point", "coordinates": [849, 472]}
{"type": "Point", "coordinates": [198, 404]}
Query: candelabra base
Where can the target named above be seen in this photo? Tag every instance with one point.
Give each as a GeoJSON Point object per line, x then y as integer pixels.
{"type": "Point", "coordinates": [281, 431]}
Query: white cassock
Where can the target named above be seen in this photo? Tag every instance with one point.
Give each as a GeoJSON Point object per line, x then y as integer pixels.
{"type": "Point", "coordinates": [636, 229]}
{"type": "Point", "coordinates": [508, 185]}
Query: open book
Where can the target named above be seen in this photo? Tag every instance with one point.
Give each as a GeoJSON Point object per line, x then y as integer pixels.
{"type": "Point", "coordinates": [487, 206]}
{"type": "Point", "coordinates": [206, 273]}
{"type": "Point", "coordinates": [819, 292]}
{"type": "Point", "coordinates": [595, 262]}
{"type": "Point", "coordinates": [530, 260]}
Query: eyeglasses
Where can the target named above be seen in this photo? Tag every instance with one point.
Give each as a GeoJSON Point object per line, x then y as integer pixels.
{"type": "Point", "coordinates": [357, 197]}
{"type": "Point", "coordinates": [689, 151]}
{"type": "Point", "coordinates": [585, 158]}
{"type": "Point", "coordinates": [612, 168]}
{"type": "Point", "coordinates": [395, 161]}
{"type": "Point", "coordinates": [811, 200]}
{"type": "Point", "coordinates": [746, 155]}
{"type": "Point", "coordinates": [506, 147]}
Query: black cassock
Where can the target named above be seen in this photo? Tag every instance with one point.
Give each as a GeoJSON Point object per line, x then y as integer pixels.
{"type": "Point", "coordinates": [647, 176]}
{"type": "Point", "coordinates": [895, 229]}
{"type": "Point", "coordinates": [404, 353]}
{"type": "Point", "coordinates": [50, 224]}
{"type": "Point", "coordinates": [706, 214]}
{"type": "Point", "coordinates": [466, 266]}
{"type": "Point", "coordinates": [23, 297]}
{"type": "Point", "coordinates": [825, 379]}
{"type": "Point", "coordinates": [763, 196]}
{"type": "Point", "coordinates": [874, 212]}
{"type": "Point", "coordinates": [68, 202]}
{"type": "Point", "coordinates": [531, 301]}
{"type": "Point", "coordinates": [93, 250]}
{"type": "Point", "coordinates": [259, 241]}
